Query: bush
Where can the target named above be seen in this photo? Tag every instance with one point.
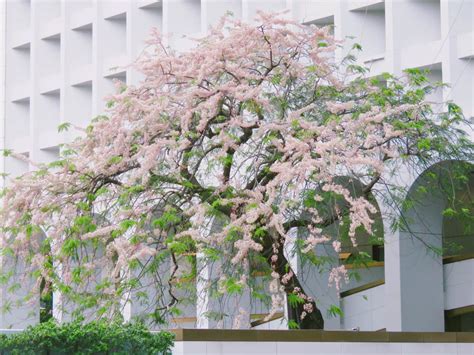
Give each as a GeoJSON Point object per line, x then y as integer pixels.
{"type": "Point", "coordinates": [91, 338]}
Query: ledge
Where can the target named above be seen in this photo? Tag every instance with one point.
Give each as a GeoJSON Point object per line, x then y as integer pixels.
{"type": "Point", "coordinates": [82, 19]}
{"type": "Point", "coordinates": [256, 318]}
{"type": "Point", "coordinates": [365, 266]}
{"type": "Point", "coordinates": [367, 5]}
{"type": "Point", "coordinates": [362, 288]}
{"type": "Point", "coordinates": [144, 4]}
{"type": "Point", "coordinates": [260, 318]}
{"type": "Point", "coordinates": [426, 53]}
{"type": "Point", "coordinates": [319, 336]}
{"type": "Point", "coordinates": [21, 38]}
{"type": "Point", "coordinates": [51, 29]}
{"type": "Point", "coordinates": [450, 313]}
{"type": "Point", "coordinates": [457, 258]}
{"type": "Point", "coordinates": [465, 46]}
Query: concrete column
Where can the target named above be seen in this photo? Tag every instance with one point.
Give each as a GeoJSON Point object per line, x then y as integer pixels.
{"type": "Point", "coordinates": [421, 269]}
{"type": "Point", "coordinates": [213, 10]}
{"type": "Point", "coordinates": [100, 85]}
{"type": "Point", "coordinates": [189, 24]}
{"type": "Point", "coordinates": [216, 310]}
{"type": "Point", "coordinates": [3, 28]}
{"type": "Point", "coordinates": [250, 7]}
{"type": "Point", "coordinates": [457, 30]}
{"type": "Point", "coordinates": [140, 21]}
{"type": "Point", "coordinates": [414, 296]}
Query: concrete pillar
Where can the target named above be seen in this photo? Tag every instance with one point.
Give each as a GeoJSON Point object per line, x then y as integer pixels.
{"type": "Point", "coordinates": [414, 296]}
{"type": "Point", "coordinates": [176, 32]}
{"type": "Point", "coordinates": [213, 10]}
{"type": "Point", "coordinates": [214, 309]}
{"type": "Point", "coordinates": [457, 29]}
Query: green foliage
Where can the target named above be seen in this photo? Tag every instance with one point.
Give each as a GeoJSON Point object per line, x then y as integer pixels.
{"type": "Point", "coordinates": [115, 160]}
{"type": "Point", "coordinates": [449, 212]}
{"type": "Point", "coordinates": [64, 127]}
{"type": "Point", "coordinates": [212, 254]}
{"type": "Point", "coordinates": [294, 300]}
{"type": "Point", "coordinates": [6, 152]}
{"type": "Point", "coordinates": [92, 338]}
{"type": "Point", "coordinates": [232, 286]}
{"type": "Point", "coordinates": [293, 324]}
{"type": "Point", "coordinates": [334, 311]}
{"type": "Point", "coordinates": [169, 218]}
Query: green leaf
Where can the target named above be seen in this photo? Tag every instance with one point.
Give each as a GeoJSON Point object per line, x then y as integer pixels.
{"type": "Point", "coordinates": [115, 160]}
{"type": "Point", "coordinates": [449, 212]}
{"type": "Point", "coordinates": [276, 79]}
{"type": "Point", "coordinates": [232, 287]}
{"type": "Point", "coordinates": [7, 152]}
{"type": "Point", "coordinates": [294, 300]}
{"type": "Point", "coordinates": [293, 324]}
{"type": "Point", "coordinates": [334, 311]}
{"type": "Point", "coordinates": [70, 246]}
{"type": "Point", "coordinates": [424, 144]}
{"type": "Point", "coordinates": [211, 253]}
{"type": "Point", "coordinates": [127, 224]}
{"type": "Point", "coordinates": [64, 127]}
{"type": "Point", "coordinates": [260, 232]}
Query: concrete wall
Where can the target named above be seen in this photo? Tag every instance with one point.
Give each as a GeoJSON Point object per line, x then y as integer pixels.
{"type": "Point", "coordinates": [333, 348]}
{"type": "Point", "coordinates": [364, 310]}
{"type": "Point", "coordinates": [459, 284]}
{"type": "Point", "coordinates": [297, 342]}
{"type": "Point", "coordinates": [63, 56]}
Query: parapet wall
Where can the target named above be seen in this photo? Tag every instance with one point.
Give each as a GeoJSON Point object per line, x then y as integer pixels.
{"type": "Point", "coordinates": [306, 342]}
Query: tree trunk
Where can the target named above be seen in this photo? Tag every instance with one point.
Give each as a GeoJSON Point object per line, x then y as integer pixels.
{"type": "Point", "coordinates": [313, 320]}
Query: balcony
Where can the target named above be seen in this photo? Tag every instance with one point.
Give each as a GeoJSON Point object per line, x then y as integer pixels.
{"type": "Point", "coordinates": [50, 84]}
{"type": "Point", "coordinates": [142, 4]}
{"type": "Point", "coordinates": [114, 9]}
{"type": "Point", "coordinates": [81, 76]}
{"type": "Point", "coordinates": [115, 66]}
{"type": "Point", "coordinates": [51, 29]}
{"type": "Point", "coordinates": [421, 55]}
{"type": "Point", "coordinates": [82, 18]}
{"type": "Point", "coordinates": [363, 5]}
{"type": "Point", "coordinates": [465, 45]}
{"type": "Point", "coordinates": [20, 91]}
{"type": "Point", "coordinates": [21, 38]}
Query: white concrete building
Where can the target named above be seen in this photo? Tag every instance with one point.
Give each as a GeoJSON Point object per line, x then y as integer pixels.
{"type": "Point", "coordinates": [61, 57]}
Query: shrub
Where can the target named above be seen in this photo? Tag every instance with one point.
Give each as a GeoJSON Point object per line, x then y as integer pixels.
{"type": "Point", "coordinates": [98, 337]}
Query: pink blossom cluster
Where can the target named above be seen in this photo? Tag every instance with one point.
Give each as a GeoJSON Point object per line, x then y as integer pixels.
{"type": "Point", "coordinates": [234, 131]}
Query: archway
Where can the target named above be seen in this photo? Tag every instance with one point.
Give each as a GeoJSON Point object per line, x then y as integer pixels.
{"type": "Point", "coordinates": [364, 262]}
{"type": "Point", "coordinates": [429, 225]}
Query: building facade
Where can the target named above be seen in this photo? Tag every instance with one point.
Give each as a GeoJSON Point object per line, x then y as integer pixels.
{"type": "Point", "coordinates": [62, 57]}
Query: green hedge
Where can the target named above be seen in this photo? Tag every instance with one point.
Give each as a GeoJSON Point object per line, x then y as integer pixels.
{"type": "Point", "coordinates": [89, 338]}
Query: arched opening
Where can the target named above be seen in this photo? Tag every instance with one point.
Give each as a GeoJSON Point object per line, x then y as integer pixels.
{"type": "Point", "coordinates": [369, 248]}
{"type": "Point", "coordinates": [368, 252]}
{"type": "Point", "coordinates": [458, 222]}
{"type": "Point", "coordinates": [458, 252]}
{"type": "Point", "coordinates": [436, 237]}
{"type": "Point", "coordinates": [364, 260]}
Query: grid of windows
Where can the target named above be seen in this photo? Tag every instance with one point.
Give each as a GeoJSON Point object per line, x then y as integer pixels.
{"type": "Point", "coordinates": [64, 56]}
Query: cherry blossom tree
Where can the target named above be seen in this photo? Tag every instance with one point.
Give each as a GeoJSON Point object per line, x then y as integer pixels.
{"type": "Point", "coordinates": [222, 151]}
